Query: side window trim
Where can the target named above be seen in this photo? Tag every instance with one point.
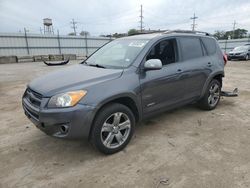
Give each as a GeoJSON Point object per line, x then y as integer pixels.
{"type": "Point", "coordinates": [176, 50]}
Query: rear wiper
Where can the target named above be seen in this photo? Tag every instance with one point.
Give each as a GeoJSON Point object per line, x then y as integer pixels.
{"type": "Point", "coordinates": [96, 65]}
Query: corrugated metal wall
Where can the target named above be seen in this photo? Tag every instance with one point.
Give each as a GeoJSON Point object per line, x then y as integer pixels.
{"type": "Point", "coordinates": [33, 44]}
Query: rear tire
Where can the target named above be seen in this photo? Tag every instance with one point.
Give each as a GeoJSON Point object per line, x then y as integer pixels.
{"type": "Point", "coordinates": [211, 97]}
{"type": "Point", "coordinates": [113, 128]}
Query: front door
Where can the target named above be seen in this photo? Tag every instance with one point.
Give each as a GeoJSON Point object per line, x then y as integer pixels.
{"type": "Point", "coordinates": [162, 88]}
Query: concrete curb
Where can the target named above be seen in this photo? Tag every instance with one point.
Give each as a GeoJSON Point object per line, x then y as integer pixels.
{"type": "Point", "coordinates": [38, 58]}
{"type": "Point", "coordinates": [25, 59]}
{"type": "Point", "coordinates": [8, 59]}
{"type": "Point", "coordinates": [55, 57]}
{"type": "Point", "coordinates": [69, 56]}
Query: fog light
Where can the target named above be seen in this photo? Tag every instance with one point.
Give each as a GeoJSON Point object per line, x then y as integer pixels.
{"type": "Point", "coordinates": [64, 129]}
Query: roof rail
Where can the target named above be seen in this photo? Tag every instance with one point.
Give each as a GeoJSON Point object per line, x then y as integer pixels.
{"type": "Point", "coordinates": [187, 31]}
{"type": "Point", "coordinates": [149, 32]}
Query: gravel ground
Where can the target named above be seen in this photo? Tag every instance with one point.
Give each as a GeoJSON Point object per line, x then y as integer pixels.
{"type": "Point", "coordinates": [187, 146]}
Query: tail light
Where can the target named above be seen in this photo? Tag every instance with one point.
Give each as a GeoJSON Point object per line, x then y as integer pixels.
{"type": "Point", "coordinates": [225, 58]}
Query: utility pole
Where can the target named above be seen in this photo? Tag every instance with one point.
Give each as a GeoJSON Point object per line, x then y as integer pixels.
{"type": "Point", "coordinates": [74, 25]}
{"type": "Point", "coordinates": [193, 25]}
{"type": "Point", "coordinates": [141, 22]}
{"type": "Point", "coordinates": [234, 25]}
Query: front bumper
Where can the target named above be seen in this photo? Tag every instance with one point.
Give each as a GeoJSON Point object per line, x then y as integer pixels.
{"type": "Point", "coordinates": [76, 120]}
{"type": "Point", "coordinates": [236, 56]}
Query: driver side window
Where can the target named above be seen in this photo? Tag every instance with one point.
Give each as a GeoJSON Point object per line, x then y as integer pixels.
{"type": "Point", "coordinates": [165, 51]}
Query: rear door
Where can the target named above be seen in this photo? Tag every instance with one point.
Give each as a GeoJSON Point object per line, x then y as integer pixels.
{"type": "Point", "coordinates": [196, 65]}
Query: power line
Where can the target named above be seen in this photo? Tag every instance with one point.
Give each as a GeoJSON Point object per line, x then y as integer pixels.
{"type": "Point", "coordinates": [74, 25]}
{"type": "Point", "coordinates": [193, 25]}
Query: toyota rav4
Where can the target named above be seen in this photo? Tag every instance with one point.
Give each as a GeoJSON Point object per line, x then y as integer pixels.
{"type": "Point", "coordinates": [126, 81]}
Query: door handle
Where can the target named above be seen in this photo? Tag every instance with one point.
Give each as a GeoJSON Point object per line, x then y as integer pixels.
{"type": "Point", "coordinates": [209, 64]}
{"type": "Point", "coordinates": [179, 70]}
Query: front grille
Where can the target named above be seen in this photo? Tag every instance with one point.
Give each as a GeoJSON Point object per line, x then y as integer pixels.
{"type": "Point", "coordinates": [31, 103]}
{"type": "Point", "coordinates": [33, 97]}
{"type": "Point", "coordinates": [31, 114]}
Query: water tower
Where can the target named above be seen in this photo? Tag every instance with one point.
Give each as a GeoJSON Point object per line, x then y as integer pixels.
{"type": "Point", "coordinates": [47, 25]}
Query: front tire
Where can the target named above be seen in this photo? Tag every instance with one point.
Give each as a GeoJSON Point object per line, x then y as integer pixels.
{"type": "Point", "coordinates": [113, 128]}
{"type": "Point", "coordinates": [247, 57]}
{"type": "Point", "coordinates": [212, 96]}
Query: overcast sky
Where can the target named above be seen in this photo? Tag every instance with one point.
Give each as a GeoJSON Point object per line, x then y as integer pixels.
{"type": "Point", "coordinates": [111, 16]}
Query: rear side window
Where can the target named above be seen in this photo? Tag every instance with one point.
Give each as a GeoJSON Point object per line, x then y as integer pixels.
{"type": "Point", "coordinates": [191, 48]}
{"type": "Point", "coordinates": [210, 45]}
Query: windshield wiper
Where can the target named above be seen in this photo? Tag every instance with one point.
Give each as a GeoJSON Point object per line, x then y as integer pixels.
{"type": "Point", "coordinates": [96, 65]}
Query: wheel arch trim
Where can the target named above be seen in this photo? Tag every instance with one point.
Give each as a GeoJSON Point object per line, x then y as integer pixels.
{"type": "Point", "coordinates": [210, 78]}
{"type": "Point", "coordinates": [114, 98]}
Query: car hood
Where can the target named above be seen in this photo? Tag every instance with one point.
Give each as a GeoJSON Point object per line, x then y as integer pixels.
{"type": "Point", "coordinates": [71, 78]}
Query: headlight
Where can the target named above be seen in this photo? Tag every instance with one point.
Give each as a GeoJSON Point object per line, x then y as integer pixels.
{"type": "Point", "coordinates": [243, 53]}
{"type": "Point", "coordinates": [66, 99]}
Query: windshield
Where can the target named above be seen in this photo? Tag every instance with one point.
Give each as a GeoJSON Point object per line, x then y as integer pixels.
{"type": "Point", "coordinates": [241, 48]}
{"type": "Point", "coordinates": [117, 54]}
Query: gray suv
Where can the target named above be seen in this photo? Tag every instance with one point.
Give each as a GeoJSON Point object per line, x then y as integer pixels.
{"type": "Point", "coordinates": [126, 81]}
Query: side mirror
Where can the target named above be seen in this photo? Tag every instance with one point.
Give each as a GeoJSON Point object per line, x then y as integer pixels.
{"type": "Point", "coordinates": [153, 64]}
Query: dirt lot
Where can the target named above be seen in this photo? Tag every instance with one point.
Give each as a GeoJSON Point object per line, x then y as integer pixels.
{"type": "Point", "coordinates": [187, 146]}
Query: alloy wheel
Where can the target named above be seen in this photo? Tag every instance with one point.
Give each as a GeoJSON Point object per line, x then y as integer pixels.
{"type": "Point", "coordinates": [214, 94]}
{"type": "Point", "coordinates": [115, 130]}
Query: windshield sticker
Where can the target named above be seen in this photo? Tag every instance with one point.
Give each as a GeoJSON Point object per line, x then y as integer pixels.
{"type": "Point", "coordinates": [138, 44]}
